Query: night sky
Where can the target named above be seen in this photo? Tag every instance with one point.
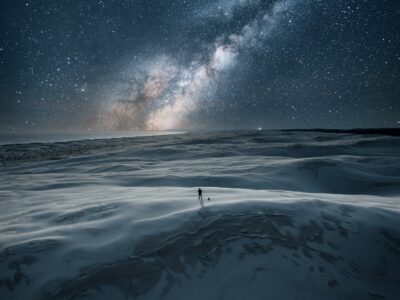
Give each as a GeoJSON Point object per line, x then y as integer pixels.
{"type": "Point", "coordinates": [200, 64]}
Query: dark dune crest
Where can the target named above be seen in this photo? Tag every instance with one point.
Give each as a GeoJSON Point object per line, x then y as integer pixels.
{"type": "Point", "coordinates": [363, 131]}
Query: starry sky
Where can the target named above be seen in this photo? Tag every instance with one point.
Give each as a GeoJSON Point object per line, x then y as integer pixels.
{"type": "Point", "coordinates": [199, 64]}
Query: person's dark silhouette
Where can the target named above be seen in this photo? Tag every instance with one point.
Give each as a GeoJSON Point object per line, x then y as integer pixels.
{"type": "Point", "coordinates": [200, 192]}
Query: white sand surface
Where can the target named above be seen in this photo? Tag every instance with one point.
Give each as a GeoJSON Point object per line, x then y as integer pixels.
{"type": "Point", "coordinates": [292, 215]}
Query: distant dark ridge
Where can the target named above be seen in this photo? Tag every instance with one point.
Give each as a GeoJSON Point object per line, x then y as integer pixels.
{"type": "Point", "coordinates": [379, 131]}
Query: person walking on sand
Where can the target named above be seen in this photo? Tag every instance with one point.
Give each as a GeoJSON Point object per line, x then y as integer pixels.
{"type": "Point", "coordinates": [200, 193]}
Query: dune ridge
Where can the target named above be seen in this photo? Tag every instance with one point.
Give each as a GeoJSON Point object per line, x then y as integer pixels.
{"type": "Point", "coordinates": [292, 215]}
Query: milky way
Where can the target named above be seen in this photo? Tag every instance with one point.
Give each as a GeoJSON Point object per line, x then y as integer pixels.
{"type": "Point", "coordinates": [215, 64]}
{"type": "Point", "coordinates": [169, 93]}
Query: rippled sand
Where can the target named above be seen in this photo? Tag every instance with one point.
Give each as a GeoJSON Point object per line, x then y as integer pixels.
{"type": "Point", "coordinates": [292, 215]}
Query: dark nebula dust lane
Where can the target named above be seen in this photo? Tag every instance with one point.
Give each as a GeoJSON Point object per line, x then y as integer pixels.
{"type": "Point", "coordinates": [214, 64]}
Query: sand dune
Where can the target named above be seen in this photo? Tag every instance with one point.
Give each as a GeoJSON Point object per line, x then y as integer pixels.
{"type": "Point", "coordinates": [293, 215]}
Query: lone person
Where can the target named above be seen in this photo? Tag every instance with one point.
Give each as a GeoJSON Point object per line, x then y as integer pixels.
{"type": "Point", "coordinates": [200, 193]}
